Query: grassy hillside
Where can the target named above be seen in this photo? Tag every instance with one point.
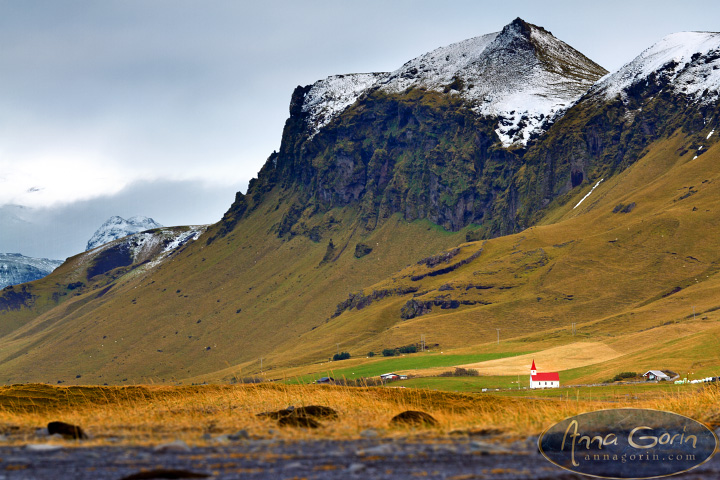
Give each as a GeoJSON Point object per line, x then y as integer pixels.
{"type": "Point", "coordinates": [628, 277]}
{"type": "Point", "coordinates": [207, 307]}
{"type": "Point", "coordinates": [629, 281]}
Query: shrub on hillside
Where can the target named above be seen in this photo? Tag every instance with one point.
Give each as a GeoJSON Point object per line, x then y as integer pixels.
{"type": "Point", "coordinates": [341, 356]}
{"type": "Point", "coordinates": [361, 250]}
{"type": "Point", "coordinates": [461, 372]}
{"type": "Point", "coordinates": [622, 376]}
{"type": "Point", "coordinates": [391, 352]}
{"type": "Point", "coordinates": [359, 382]}
{"type": "Point", "coordinates": [247, 380]}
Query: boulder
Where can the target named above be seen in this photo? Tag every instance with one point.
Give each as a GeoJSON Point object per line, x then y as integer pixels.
{"type": "Point", "coordinates": [298, 421]}
{"type": "Point", "coordinates": [302, 416]}
{"type": "Point", "coordinates": [66, 430]}
{"type": "Point", "coordinates": [413, 417]}
{"type": "Point", "coordinates": [317, 411]}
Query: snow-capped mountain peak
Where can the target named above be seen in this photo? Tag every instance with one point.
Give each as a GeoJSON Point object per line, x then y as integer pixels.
{"type": "Point", "coordinates": [522, 75]}
{"type": "Point", "coordinates": [688, 61]}
{"type": "Point", "coordinates": [117, 227]}
{"type": "Point", "coordinates": [16, 268]}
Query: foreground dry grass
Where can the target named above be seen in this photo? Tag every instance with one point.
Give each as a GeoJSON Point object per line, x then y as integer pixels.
{"type": "Point", "coordinates": [147, 415]}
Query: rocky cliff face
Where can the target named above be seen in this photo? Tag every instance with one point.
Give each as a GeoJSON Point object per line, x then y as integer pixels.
{"type": "Point", "coordinates": [486, 132]}
{"type": "Point", "coordinates": [440, 138]}
{"type": "Point", "coordinates": [16, 268]}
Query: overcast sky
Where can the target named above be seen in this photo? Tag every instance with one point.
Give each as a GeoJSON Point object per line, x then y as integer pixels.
{"type": "Point", "coordinates": [167, 108]}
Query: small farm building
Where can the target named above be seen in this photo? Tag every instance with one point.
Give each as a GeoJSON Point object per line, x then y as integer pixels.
{"type": "Point", "coordinates": [651, 375]}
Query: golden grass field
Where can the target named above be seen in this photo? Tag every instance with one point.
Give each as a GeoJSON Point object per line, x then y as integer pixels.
{"type": "Point", "coordinates": [150, 415]}
{"type": "Point", "coordinates": [565, 357]}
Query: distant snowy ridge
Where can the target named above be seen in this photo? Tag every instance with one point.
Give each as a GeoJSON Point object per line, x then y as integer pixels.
{"type": "Point", "coordinates": [117, 227]}
{"type": "Point", "coordinates": [150, 248]}
{"type": "Point", "coordinates": [159, 245]}
{"type": "Point", "coordinates": [688, 61]}
{"type": "Point", "coordinates": [522, 75]}
{"type": "Point", "coordinates": [16, 269]}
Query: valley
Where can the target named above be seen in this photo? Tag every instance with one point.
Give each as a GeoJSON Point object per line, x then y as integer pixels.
{"type": "Point", "coordinates": [453, 259]}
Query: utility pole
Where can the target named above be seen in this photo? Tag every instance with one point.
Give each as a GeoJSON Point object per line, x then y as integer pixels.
{"type": "Point", "coordinates": [338, 348]}
{"type": "Point", "coordinates": [498, 336]}
{"type": "Point", "coordinates": [573, 328]}
{"type": "Point", "coordinates": [260, 365]}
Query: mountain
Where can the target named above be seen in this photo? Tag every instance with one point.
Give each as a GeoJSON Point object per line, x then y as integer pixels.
{"type": "Point", "coordinates": [686, 63]}
{"type": "Point", "coordinates": [16, 268]}
{"type": "Point", "coordinates": [669, 89]}
{"type": "Point", "coordinates": [522, 76]}
{"type": "Point", "coordinates": [396, 210]}
{"type": "Point", "coordinates": [625, 244]}
{"type": "Point", "coordinates": [117, 227]}
{"type": "Point", "coordinates": [91, 275]}
{"type": "Point", "coordinates": [439, 138]}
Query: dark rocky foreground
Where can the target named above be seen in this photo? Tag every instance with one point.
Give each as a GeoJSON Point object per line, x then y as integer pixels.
{"type": "Point", "coordinates": [369, 458]}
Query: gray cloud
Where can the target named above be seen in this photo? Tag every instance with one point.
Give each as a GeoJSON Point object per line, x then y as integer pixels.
{"type": "Point", "coordinates": [184, 93]}
{"type": "Point", "coordinates": [60, 232]}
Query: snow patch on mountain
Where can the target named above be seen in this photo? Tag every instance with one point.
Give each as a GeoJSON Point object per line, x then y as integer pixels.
{"type": "Point", "coordinates": [156, 246]}
{"type": "Point", "coordinates": [588, 194]}
{"type": "Point", "coordinates": [117, 227]}
{"type": "Point", "coordinates": [688, 61]}
{"type": "Point", "coordinates": [523, 76]}
{"type": "Point", "coordinates": [16, 269]}
{"type": "Point", "coordinates": [439, 67]}
{"type": "Point", "coordinates": [328, 97]}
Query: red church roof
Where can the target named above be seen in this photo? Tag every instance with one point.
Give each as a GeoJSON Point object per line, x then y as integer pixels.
{"type": "Point", "coordinates": [546, 377]}
{"type": "Point", "coordinates": [533, 365]}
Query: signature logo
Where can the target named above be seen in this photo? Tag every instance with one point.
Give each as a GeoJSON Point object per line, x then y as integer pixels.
{"type": "Point", "coordinates": [628, 443]}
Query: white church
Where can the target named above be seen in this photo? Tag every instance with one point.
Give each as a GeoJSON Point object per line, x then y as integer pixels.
{"type": "Point", "coordinates": [543, 379]}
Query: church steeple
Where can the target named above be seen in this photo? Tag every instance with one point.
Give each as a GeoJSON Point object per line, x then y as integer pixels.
{"type": "Point", "coordinates": [533, 370]}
